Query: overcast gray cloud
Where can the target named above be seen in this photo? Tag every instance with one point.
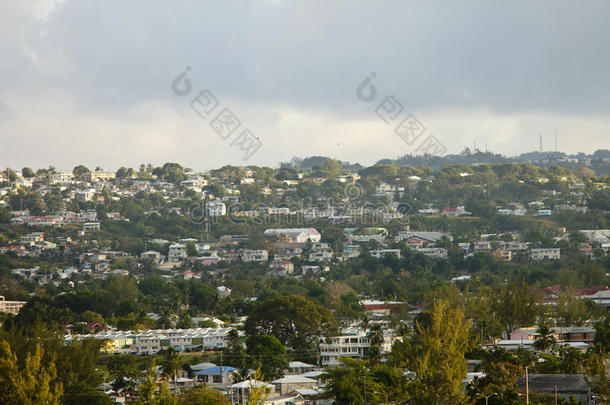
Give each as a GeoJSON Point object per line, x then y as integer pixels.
{"type": "Point", "coordinates": [86, 81]}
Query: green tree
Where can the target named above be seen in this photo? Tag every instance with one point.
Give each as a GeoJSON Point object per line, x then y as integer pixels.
{"type": "Point", "coordinates": [437, 357]}
{"type": "Point", "coordinates": [185, 321]}
{"type": "Point", "coordinates": [595, 370]}
{"type": "Point", "coordinates": [78, 394]}
{"type": "Point", "coordinates": [393, 387]}
{"type": "Point", "coordinates": [259, 392]}
{"type": "Point", "coordinates": [123, 370]}
{"type": "Point", "coordinates": [171, 362]}
{"type": "Point", "coordinates": [352, 383]}
{"type": "Point", "coordinates": [27, 172]}
{"type": "Point", "coordinates": [202, 395]}
{"type": "Point", "coordinates": [296, 321]}
{"type": "Point", "coordinates": [602, 335]}
{"type": "Point", "coordinates": [375, 336]}
{"type": "Point", "coordinates": [267, 354]}
{"type": "Point", "coordinates": [30, 380]}
{"type": "Point", "coordinates": [80, 170]}
{"type": "Point", "coordinates": [545, 339]}
{"type": "Point", "coordinates": [517, 305]}
{"type": "Point", "coordinates": [149, 393]}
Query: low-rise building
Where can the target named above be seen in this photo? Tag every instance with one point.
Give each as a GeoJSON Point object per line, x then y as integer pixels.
{"type": "Point", "coordinates": [10, 307]}
{"type": "Point", "coordinates": [254, 256]}
{"type": "Point", "coordinates": [436, 253]}
{"type": "Point", "coordinates": [91, 226]}
{"type": "Point", "coordinates": [545, 254]}
{"type": "Point", "coordinates": [177, 252]}
{"type": "Point", "coordinates": [295, 235]}
{"type": "Point", "coordinates": [381, 253]}
{"type": "Point", "coordinates": [354, 342]}
{"type": "Point", "coordinates": [216, 208]}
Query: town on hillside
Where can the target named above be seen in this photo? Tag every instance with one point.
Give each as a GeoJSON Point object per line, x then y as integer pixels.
{"type": "Point", "coordinates": [318, 282]}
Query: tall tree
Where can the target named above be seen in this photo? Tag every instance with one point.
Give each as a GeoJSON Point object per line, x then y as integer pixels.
{"type": "Point", "coordinates": [437, 357]}
{"type": "Point", "coordinates": [296, 321]}
{"type": "Point", "coordinates": [202, 395]}
{"type": "Point", "coordinates": [516, 305]}
{"type": "Point", "coordinates": [267, 354]}
{"type": "Point", "coordinates": [545, 339]}
{"type": "Point", "coordinates": [352, 383]}
{"type": "Point", "coordinates": [375, 336]}
{"type": "Point", "coordinates": [30, 380]}
{"type": "Point", "coordinates": [171, 363]}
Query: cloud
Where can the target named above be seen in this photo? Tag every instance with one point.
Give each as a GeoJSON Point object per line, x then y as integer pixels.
{"type": "Point", "coordinates": [90, 80]}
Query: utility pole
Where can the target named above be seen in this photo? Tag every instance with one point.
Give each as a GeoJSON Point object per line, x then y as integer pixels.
{"type": "Point", "coordinates": [527, 387]}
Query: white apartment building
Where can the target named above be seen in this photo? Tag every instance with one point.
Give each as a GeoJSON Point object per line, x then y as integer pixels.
{"type": "Point", "coordinates": [381, 253]}
{"type": "Point", "coordinates": [91, 226]}
{"type": "Point", "coordinates": [153, 340]}
{"type": "Point", "coordinates": [216, 208]}
{"type": "Point", "coordinates": [62, 177]}
{"type": "Point", "coordinates": [353, 343]}
{"type": "Point", "coordinates": [11, 307]}
{"type": "Point", "coordinates": [254, 256]}
{"type": "Point", "coordinates": [99, 176]}
{"type": "Point", "coordinates": [298, 235]}
{"type": "Point", "coordinates": [84, 195]}
{"type": "Point", "coordinates": [436, 253]}
{"type": "Point", "coordinates": [545, 254]}
{"type": "Point", "coordinates": [177, 252]}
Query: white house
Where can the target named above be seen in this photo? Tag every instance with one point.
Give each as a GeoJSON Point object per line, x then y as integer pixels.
{"type": "Point", "coordinates": [177, 252]}
{"type": "Point", "coordinates": [254, 256]}
{"type": "Point", "coordinates": [545, 254]}
{"type": "Point", "coordinates": [297, 235]}
{"type": "Point", "coordinates": [216, 208]}
{"type": "Point", "coordinates": [91, 226]}
{"type": "Point", "coordinates": [381, 253]}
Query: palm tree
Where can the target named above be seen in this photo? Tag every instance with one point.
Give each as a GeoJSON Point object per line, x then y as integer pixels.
{"type": "Point", "coordinates": [545, 339]}
{"type": "Point", "coordinates": [171, 363]}
{"type": "Point", "coordinates": [375, 337]}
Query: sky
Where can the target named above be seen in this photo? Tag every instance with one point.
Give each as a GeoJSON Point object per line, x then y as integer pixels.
{"type": "Point", "coordinates": [97, 82]}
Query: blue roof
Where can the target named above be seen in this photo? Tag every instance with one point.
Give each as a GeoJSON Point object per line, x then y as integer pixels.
{"type": "Point", "coordinates": [216, 370]}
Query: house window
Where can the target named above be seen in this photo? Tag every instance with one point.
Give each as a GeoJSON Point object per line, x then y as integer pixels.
{"type": "Point", "coordinates": [217, 378]}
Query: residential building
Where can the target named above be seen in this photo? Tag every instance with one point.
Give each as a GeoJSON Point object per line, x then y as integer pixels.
{"type": "Point", "coordinates": [216, 208]}
{"type": "Point", "coordinates": [290, 383]}
{"type": "Point", "coordinates": [62, 177]}
{"type": "Point", "coordinates": [84, 195]}
{"type": "Point", "coordinates": [177, 252]}
{"type": "Point", "coordinates": [381, 253]}
{"type": "Point", "coordinates": [597, 235]}
{"type": "Point", "coordinates": [152, 255]}
{"type": "Point", "coordinates": [564, 386]}
{"type": "Point", "coordinates": [99, 176]}
{"type": "Point", "coordinates": [380, 307]}
{"type": "Point", "coordinates": [545, 254]}
{"type": "Point", "coordinates": [10, 307]}
{"type": "Point", "coordinates": [295, 235]}
{"type": "Point", "coordinates": [282, 267]}
{"type": "Point", "coordinates": [33, 237]}
{"type": "Point", "coordinates": [254, 256]}
{"type": "Point", "coordinates": [239, 393]}
{"type": "Point", "coordinates": [91, 226]}
{"type": "Point", "coordinates": [354, 343]}
{"type": "Point", "coordinates": [216, 376]}
{"type": "Point", "coordinates": [299, 367]}
{"type": "Point", "coordinates": [436, 253]}
{"type": "Point", "coordinates": [153, 340]}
